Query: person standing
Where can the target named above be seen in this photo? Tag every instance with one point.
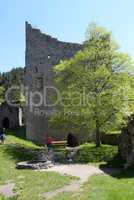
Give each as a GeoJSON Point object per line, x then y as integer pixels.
{"type": "Point", "coordinates": [2, 135]}
{"type": "Point", "coordinates": [49, 142]}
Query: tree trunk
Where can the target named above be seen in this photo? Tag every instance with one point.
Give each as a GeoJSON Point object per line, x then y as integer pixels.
{"type": "Point", "coordinates": [98, 136]}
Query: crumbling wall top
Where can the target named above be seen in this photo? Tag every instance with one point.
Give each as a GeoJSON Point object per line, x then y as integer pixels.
{"type": "Point", "coordinates": [37, 32]}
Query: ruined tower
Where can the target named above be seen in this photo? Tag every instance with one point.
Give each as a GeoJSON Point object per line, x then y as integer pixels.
{"type": "Point", "coordinates": [42, 53]}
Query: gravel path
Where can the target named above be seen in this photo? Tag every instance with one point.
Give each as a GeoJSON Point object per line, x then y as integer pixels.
{"type": "Point", "coordinates": [74, 187]}
{"type": "Point", "coordinates": [83, 172]}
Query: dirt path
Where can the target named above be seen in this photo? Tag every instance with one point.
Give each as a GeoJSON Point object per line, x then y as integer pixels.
{"type": "Point", "coordinates": [83, 172]}
{"type": "Point", "coordinates": [74, 187]}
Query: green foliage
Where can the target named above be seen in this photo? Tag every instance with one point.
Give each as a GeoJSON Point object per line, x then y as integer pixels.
{"type": "Point", "coordinates": [88, 153]}
{"type": "Point", "coordinates": [95, 86]}
{"type": "Point", "coordinates": [14, 78]}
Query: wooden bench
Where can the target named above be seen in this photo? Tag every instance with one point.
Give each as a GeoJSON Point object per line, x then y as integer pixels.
{"type": "Point", "coordinates": [60, 143]}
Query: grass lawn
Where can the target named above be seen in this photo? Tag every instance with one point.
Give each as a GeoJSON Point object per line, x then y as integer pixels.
{"type": "Point", "coordinates": [105, 188]}
{"type": "Point", "coordinates": [30, 185]}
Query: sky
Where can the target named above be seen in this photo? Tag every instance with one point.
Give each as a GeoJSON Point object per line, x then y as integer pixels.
{"type": "Point", "coordinates": [66, 20]}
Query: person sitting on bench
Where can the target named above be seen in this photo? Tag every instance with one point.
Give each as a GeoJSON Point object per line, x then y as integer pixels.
{"type": "Point", "coordinates": [72, 140]}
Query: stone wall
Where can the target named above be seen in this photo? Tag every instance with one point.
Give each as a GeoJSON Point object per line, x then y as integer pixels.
{"type": "Point", "coordinates": [10, 116]}
{"type": "Point", "coordinates": [42, 53]}
{"type": "Point", "coordinates": [126, 142]}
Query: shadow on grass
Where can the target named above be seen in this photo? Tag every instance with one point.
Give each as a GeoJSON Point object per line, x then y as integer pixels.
{"type": "Point", "coordinates": [115, 168]}
{"type": "Point", "coordinates": [127, 174]}
{"type": "Point", "coordinates": [19, 132]}
{"type": "Point", "coordinates": [115, 162]}
{"type": "Point", "coordinates": [20, 153]}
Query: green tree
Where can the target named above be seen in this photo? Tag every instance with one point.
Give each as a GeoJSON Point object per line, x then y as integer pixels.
{"type": "Point", "coordinates": [95, 85]}
{"type": "Point", "coordinates": [13, 78]}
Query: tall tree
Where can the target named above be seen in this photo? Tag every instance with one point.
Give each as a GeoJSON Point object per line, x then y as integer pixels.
{"type": "Point", "coordinates": [95, 85]}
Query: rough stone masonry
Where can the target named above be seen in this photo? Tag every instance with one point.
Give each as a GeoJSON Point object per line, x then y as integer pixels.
{"type": "Point", "coordinates": [126, 143]}
{"type": "Point", "coordinates": [42, 53]}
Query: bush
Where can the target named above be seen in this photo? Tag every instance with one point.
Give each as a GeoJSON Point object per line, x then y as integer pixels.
{"type": "Point", "coordinates": [90, 153]}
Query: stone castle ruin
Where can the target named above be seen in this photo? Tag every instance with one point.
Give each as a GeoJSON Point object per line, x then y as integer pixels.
{"type": "Point", "coordinates": [42, 53]}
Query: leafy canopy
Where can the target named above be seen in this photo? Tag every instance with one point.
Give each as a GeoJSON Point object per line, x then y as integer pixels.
{"type": "Point", "coordinates": [95, 85]}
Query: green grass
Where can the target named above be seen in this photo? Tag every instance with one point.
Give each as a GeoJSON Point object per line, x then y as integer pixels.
{"type": "Point", "coordinates": [29, 184]}
{"type": "Point", "coordinates": [105, 188]}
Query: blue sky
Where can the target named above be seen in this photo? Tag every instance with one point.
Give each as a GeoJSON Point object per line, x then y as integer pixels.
{"type": "Point", "coordinates": [65, 19]}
